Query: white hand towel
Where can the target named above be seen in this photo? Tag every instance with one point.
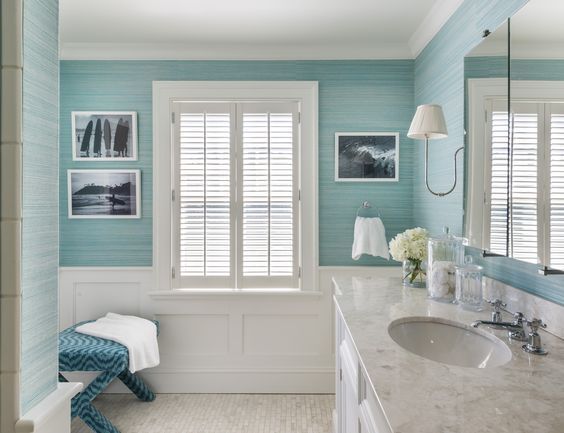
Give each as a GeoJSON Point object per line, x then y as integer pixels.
{"type": "Point", "coordinates": [137, 334]}
{"type": "Point", "coordinates": [369, 238]}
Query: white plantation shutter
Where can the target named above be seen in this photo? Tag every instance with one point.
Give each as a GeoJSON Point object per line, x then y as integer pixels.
{"type": "Point", "coordinates": [203, 199]}
{"type": "Point", "coordinates": [236, 205]}
{"type": "Point", "coordinates": [268, 195]}
{"type": "Point", "coordinates": [537, 185]}
{"type": "Point", "coordinates": [498, 173]}
{"type": "Point", "coordinates": [555, 117]}
{"type": "Point", "coordinates": [524, 225]}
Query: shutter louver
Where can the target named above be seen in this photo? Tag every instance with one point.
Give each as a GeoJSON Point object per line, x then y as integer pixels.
{"type": "Point", "coordinates": [205, 194]}
{"type": "Point", "coordinates": [524, 173]}
{"type": "Point", "coordinates": [268, 194]}
{"type": "Point", "coordinates": [557, 190]}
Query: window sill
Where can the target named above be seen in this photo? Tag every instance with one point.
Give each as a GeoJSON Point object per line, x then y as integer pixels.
{"type": "Point", "coordinates": [192, 293]}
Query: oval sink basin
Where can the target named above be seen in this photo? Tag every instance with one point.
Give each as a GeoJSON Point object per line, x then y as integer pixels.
{"type": "Point", "coordinates": [449, 342]}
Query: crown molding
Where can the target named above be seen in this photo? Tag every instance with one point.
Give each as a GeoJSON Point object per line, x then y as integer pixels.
{"type": "Point", "coordinates": [115, 51]}
{"type": "Point", "coordinates": [438, 15]}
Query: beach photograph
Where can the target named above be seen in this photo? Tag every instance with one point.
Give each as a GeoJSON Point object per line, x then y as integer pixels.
{"type": "Point", "coordinates": [104, 193]}
{"type": "Point", "coordinates": [106, 135]}
{"type": "Point", "coordinates": [361, 157]}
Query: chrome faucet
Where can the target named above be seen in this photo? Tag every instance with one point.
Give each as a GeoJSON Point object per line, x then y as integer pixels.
{"type": "Point", "coordinates": [516, 328]}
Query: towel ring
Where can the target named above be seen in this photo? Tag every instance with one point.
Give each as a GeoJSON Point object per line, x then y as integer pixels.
{"type": "Point", "coordinates": [367, 205]}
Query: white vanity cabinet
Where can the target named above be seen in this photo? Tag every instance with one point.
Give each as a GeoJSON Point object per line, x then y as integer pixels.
{"type": "Point", "coordinates": [358, 409]}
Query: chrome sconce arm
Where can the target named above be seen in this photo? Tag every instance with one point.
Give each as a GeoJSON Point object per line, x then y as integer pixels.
{"type": "Point", "coordinates": [439, 194]}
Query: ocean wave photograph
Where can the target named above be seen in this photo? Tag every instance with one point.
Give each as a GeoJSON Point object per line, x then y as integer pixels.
{"type": "Point", "coordinates": [366, 156]}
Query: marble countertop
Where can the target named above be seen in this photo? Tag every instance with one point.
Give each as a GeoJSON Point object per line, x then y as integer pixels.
{"type": "Point", "coordinates": [418, 395]}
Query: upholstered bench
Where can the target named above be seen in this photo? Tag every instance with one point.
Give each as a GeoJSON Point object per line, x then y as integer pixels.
{"type": "Point", "coordinates": [80, 352]}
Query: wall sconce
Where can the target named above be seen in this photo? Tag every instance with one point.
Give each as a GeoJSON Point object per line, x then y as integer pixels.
{"type": "Point", "coordinates": [429, 124]}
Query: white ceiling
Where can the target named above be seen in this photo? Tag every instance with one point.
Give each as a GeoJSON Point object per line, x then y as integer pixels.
{"type": "Point", "coordinates": [537, 30]}
{"type": "Point", "coordinates": [250, 29]}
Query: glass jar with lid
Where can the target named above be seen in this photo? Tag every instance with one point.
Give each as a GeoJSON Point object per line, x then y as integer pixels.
{"type": "Point", "coordinates": [469, 285]}
{"type": "Point", "coordinates": [445, 253]}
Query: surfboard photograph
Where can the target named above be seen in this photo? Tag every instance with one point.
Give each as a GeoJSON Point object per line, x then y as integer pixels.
{"type": "Point", "coordinates": [104, 193]}
{"type": "Point", "coordinates": [116, 129]}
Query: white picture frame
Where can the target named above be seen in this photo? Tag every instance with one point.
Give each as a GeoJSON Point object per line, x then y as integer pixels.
{"type": "Point", "coordinates": [95, 133]}
{"type": "Point", "coordinates": [366, 156]}
{"type": "Point", "coordinates": [99, 199]}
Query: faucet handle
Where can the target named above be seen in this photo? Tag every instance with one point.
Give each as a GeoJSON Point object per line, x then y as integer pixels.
{"type": "Point", "coordinates": [534, 343]}
{"type": "Point", "coordinates": [497, 305]}
{"type": "Point", "coordinates": [535, 324]}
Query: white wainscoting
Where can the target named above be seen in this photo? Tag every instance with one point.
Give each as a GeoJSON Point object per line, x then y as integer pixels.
{"type": "Point", "coordinates": [230, 342]}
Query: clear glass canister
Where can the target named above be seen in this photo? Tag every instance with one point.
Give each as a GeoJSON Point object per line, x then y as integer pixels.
{"type": "Point", "coordinates": [445, 253]}
{"type": "Point", "coordinates": [469, 285]}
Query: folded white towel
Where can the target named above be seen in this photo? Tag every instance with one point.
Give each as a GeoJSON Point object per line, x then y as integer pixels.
{"type": "Point", "coordinates": [137, 334]}
{"type": "Point", "coordinates": [369, 238]}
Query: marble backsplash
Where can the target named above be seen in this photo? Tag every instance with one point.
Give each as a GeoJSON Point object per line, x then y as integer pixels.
{"type": "Point", "coordinates": [530, 305]}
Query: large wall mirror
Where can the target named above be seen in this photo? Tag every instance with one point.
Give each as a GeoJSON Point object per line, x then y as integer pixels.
{"type": "Point", "coordinates": [520, 176]}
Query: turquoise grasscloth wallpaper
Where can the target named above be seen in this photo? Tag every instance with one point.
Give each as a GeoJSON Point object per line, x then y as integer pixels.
{"type": "Point", "coordinates": [439, 78]}
{"type": "Point", "coordinates": [353, 96]}
{"type": "Point", "coordinates": [40, 256]}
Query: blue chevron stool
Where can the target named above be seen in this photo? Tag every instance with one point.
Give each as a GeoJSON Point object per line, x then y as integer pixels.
{"type": "Point", "coordinates": [80, 352]}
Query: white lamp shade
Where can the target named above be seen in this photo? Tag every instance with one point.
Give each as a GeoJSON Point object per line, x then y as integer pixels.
{"type": "Point", "coordinates": [428, 122]}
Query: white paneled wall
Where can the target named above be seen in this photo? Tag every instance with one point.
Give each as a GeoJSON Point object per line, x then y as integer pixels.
{"type": "Point", "coordinates": [217, 342]}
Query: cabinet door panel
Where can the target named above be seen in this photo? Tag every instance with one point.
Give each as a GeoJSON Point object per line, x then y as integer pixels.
{"type": "Point", "coordinates": [371, 411]}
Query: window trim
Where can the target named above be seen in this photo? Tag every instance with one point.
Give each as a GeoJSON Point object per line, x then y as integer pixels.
{"type": "Point", "coordinates": [479, 91]}
{"type": "Point", "coordinates": [167, 92]}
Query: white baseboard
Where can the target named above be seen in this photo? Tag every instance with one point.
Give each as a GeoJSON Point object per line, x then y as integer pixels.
{"type": "Point", "coordinates": [256, 381]}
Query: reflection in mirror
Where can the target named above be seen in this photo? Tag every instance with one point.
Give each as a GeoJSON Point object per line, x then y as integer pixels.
{"type": "Point", "coordinates": [487, 142]}
{"type": "Point", "coordinates": [536, 205]}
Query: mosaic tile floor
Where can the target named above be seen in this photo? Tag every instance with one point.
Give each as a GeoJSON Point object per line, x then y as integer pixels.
{"type": "Point", "coordinates": [216, 413]}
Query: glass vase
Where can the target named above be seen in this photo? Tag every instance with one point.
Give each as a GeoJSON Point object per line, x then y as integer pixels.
{"type": "Point", "coordinates": [413, 274]}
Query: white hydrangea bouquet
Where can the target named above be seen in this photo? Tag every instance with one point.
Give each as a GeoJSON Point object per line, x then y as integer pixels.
{"type": "Point", "coordinates": [410, 247]}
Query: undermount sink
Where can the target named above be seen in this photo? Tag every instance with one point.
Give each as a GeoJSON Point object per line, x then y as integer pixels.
{"type": "Point", "coordinates": [449, 342]}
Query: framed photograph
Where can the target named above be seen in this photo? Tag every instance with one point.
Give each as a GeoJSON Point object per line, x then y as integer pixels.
{"type": "Point", "coordinates": [366, 156]}
{"type": "Point", "coordinates": [104, 136]}
{"type": "Point", "coordinates": [104, 193]}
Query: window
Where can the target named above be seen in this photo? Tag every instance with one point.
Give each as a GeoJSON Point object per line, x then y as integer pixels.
{"type": "Point", "coordinates": [235, 185]}
{"type": "Point", "coordinates": [536, 185]}
{"type": "Point", "coordinates": [236, 197]}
